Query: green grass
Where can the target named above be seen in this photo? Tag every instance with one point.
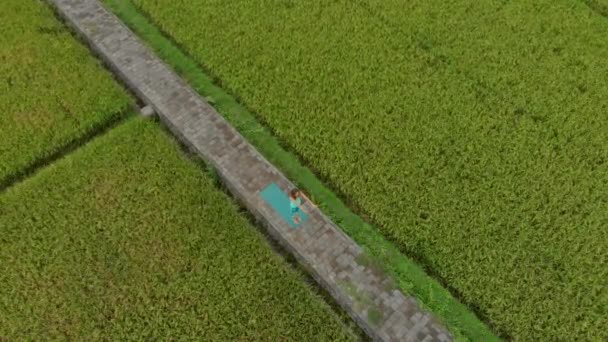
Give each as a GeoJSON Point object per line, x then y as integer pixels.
{"type": "Point", "coordinates": [479, 148]}
{"type": "Point", "coordinates": [52, 91]}
{"type": "Point", "coordinates": [127, 239]}
{"type": "Point", "coordinates": [599, 6]}
{"type": "Point", "coordinates": [410, 277]}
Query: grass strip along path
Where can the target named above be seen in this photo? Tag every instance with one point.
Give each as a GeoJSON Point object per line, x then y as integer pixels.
{"type": "Point", "coordinates": [52, 91]}
{"type": "Point", "coordinates": [493, 184]}
{"type": "Point", "coordinates": [127, 239]}
{"type": "Point", "coordinates": [411, 278]}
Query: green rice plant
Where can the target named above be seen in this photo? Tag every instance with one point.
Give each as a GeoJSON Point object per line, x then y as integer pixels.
{"type": "Point", "coordinates": [599, 6]}
{"type": "Point", "coordinates": [125, 239]}
{"type": "Point", "coordinates": [472, 134]}
{"type": "Point", "coordinates": [536, 56]}
{"type": "Point", "coordinates": [52, 91]}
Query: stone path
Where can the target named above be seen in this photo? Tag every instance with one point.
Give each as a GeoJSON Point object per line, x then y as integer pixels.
{"type": "Point", "coordinates": [334, 259]}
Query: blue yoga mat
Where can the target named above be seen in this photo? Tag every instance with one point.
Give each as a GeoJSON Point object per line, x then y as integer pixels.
{"type": "Point", "coordinates": [279, 201]}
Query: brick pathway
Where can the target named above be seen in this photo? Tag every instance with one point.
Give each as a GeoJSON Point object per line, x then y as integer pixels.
{"type": "Point", "coordinates": [334, 260]}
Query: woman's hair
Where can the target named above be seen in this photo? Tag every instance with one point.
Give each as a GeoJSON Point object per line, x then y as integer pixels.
{"type": "Point", "coordinates": [294, 193]}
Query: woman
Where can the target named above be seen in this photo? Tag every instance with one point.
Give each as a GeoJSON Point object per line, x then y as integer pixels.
{"type": "Point", "coordinates": [295, 202]}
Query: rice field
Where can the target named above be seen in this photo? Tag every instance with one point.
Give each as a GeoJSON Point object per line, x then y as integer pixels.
{"type": "Point", "coordinates": [52, 91]}
{"type": "Point", "coordinates": [474, 135]}
{"type": "Point", "coordinates": [599, 6]}
{"type": "Point", "coordinates": [126, 239]}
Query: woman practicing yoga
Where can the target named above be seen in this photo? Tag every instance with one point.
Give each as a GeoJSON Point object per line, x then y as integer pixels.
{"type": "Point", "coordinates": [295, 199]}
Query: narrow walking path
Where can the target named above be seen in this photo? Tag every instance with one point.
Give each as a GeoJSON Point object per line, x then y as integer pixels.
{"type": "Point", "coordinates": [333, 259]}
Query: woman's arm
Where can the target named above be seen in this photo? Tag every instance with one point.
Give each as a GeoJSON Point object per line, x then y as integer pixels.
{"type": "Point", "coordinates": [308, 199]}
